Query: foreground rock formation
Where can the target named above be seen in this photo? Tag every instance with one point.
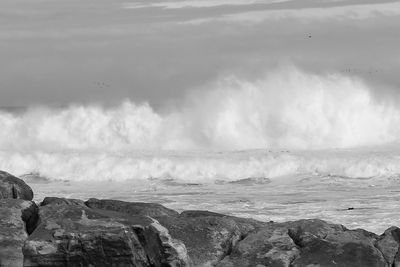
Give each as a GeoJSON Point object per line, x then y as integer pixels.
{"type": "Point", "coordinates": [13, 187]}
{"type": "Point", "coordinates": [71, 232]}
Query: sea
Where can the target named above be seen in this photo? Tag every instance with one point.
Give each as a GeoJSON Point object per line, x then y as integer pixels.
{"type": "Point", "coordinates": [289, 146]}
{"type": "Point", "coordinates": [356, 188]}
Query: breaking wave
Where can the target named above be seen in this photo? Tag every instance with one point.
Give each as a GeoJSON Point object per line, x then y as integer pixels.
{"type": "Point", "coordinates": [286, 109]}
{"type": "Point", "coordinates": [289, 109]}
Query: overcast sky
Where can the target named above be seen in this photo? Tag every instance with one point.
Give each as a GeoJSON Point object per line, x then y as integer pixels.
{"type": "Point", "coordinates": [58, 52]}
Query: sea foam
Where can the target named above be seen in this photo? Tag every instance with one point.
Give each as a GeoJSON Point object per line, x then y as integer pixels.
{"type": "Point", "coordinates": [284, 110]}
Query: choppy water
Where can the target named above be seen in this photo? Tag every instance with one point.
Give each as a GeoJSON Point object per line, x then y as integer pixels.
{"type": "Point", "coordinates": [357, 188]}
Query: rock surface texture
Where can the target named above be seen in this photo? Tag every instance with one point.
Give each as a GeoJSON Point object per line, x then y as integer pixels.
{"type": "Point", "coordinates": [17, 219]}
{"type": "Point", "coordinates": [72, 232]}
{"type": "Point", "coordinates": [13, 187]}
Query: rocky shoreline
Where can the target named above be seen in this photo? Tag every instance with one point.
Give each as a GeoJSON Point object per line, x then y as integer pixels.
{"type": "Point", "coordinates": [72, 232]}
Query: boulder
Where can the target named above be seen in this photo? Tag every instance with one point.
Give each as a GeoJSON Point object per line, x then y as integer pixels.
{"type": "Point", "coordinates": [328, 244]}
{"type": "Point", "coordinates": [270, 246]}
{"type": "Point", "coordinates": [389, 244]}
{"type": "Point", "coordinates": [18, 218]}
{"type": "Point", "coordinates": [71, 234]}
{"type": "Point", "coordinates": [314, 243]}
{"type": "Point", "coordinates": [62, 201]}
{"type": "Point", "coordinates": [13, 187]}
{"type": "Point", "coordinates": [132, 208]}
{"type": "Point", "coordinates": [208, 236]}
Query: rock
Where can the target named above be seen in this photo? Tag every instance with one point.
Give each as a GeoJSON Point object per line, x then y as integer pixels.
{"type": "Point", "coordinates": [13, 187]}
{"type": "Point", "coordinates": [389, 244]}
{"type": "Point", "coordinates": [270, 246]}
{"type": "Point", "coordinates": [161, 247]}
{"type": "Point", "coordinates": [71, 232]}
{"type": "Point", "coordinates": [62, 201]}
{"type": "Point", "coordinates": [74, 235]}
{"type": "Point", "coordinates": [18, 218]}
{"type": "Point", "coordinates": [131, 208]}
{"type": "Point", "coordinates": [333, 245]}
{"type": "Point", "coordinates": [313, 243]}
{"type": "Point", "coordinates": [208, 236]}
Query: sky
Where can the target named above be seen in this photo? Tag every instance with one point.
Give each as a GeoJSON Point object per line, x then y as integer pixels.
{"type": "Point", "coordinates": [58, 52]}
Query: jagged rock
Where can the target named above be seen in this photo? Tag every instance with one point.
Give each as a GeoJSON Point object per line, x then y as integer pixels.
{"type": "Point", "coordinates": [13, 187]}
{"type": "Point", "coordinates": [75, 235]}
{"type": "Point", "coordinates": [132, 208]}
{"type": "Point", "coordinates": [325, 244]}
{"type": "Point", "coordinates": [161, 247]}
{"type": "Point", "coordinates": [270, 246]}
{"type": "Point", "coordinates": [18, 218]}
{"type": "Point", "coordinates": [314, 243]}
{"type": "Point", "coordinates": [62, 201]}
{"type": "Point", "coordinates": [208, 236]}
{"type": "Point", "coordinates": [389, 245]}
{"type": "Point", "coordinates": [72, 232]}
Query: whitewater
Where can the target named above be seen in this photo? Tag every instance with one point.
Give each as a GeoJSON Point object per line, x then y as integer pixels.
{"type": "Point", "coordinates": [285, 146]}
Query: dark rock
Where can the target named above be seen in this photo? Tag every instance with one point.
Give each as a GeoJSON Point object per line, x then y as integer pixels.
{"type": "Point", "coordinates": [161, 248]}
{"type": "Point", "coordinates": [270, 246]}
{"type": "Point", "coordinates": [62, 201]}
{"type": "Point", "coordinates": [13, 187]}
{"type": "Point", "coordinates": [200, 213]}
{"type": "Point", "coordinates": [117, 233]}
{"type": "Point", "coordinates": [132, 208]}
{"type": "Point", "coordinates": [18, 218]}
{"type": "Point", "coordinates": [389, 244]}
{"type": "Point", "coordinates": [75, 235]}
{"type": "Point", "coordinates": [314, 243]}
{"type": "Point", "coordinates": [333, 245]}
{"type": "Point", "coordinates": [208, 236]}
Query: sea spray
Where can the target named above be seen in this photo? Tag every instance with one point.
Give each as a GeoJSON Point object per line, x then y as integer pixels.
{"type": "Point", "coordinates": [285, 110]}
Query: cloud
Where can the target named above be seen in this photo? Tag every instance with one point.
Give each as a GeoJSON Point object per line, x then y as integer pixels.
{"type": "Point", "coordinates": [352, 12]}
{"type": "Point", "coordinates": [199, 3]}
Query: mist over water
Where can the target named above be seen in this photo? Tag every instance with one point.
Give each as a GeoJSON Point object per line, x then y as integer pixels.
{"type": "Point", "coordinates": [287, 109]}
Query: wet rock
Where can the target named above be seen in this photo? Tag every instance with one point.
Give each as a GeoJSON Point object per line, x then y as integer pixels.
{"type": "Point", "coordinates": [18, 218]}
{"type": "Point", "coordinates": [131, 208]}
{"type": "Point", "coordinates": [325, 244]}
{"type": "Point", "coordinates": [75, 235]}
{"type": "Point", "coordinates": [13, 187]}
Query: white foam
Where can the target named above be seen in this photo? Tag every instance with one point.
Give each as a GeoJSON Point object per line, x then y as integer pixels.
{"type": "Point", "coordinates": [203, 167]}
{"type": "Point", "coordinates": [286, 109]}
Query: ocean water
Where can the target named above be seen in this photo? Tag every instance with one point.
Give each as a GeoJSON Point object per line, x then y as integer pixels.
{"type": "Point", "coordinates": [286, 146]}
{"type": "Point", "coordinates": [357, 188]}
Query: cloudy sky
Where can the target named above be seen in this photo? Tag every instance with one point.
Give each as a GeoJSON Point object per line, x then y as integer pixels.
{"type": "Point", "coordinates": [58, 52]}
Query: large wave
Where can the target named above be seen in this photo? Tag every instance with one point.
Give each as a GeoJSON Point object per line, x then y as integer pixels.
{"type": "Point", "coordinates": [286, 109]}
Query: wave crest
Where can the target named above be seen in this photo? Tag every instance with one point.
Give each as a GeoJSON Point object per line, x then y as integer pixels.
{"type": "Point", "coordinates": [285, 109]}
